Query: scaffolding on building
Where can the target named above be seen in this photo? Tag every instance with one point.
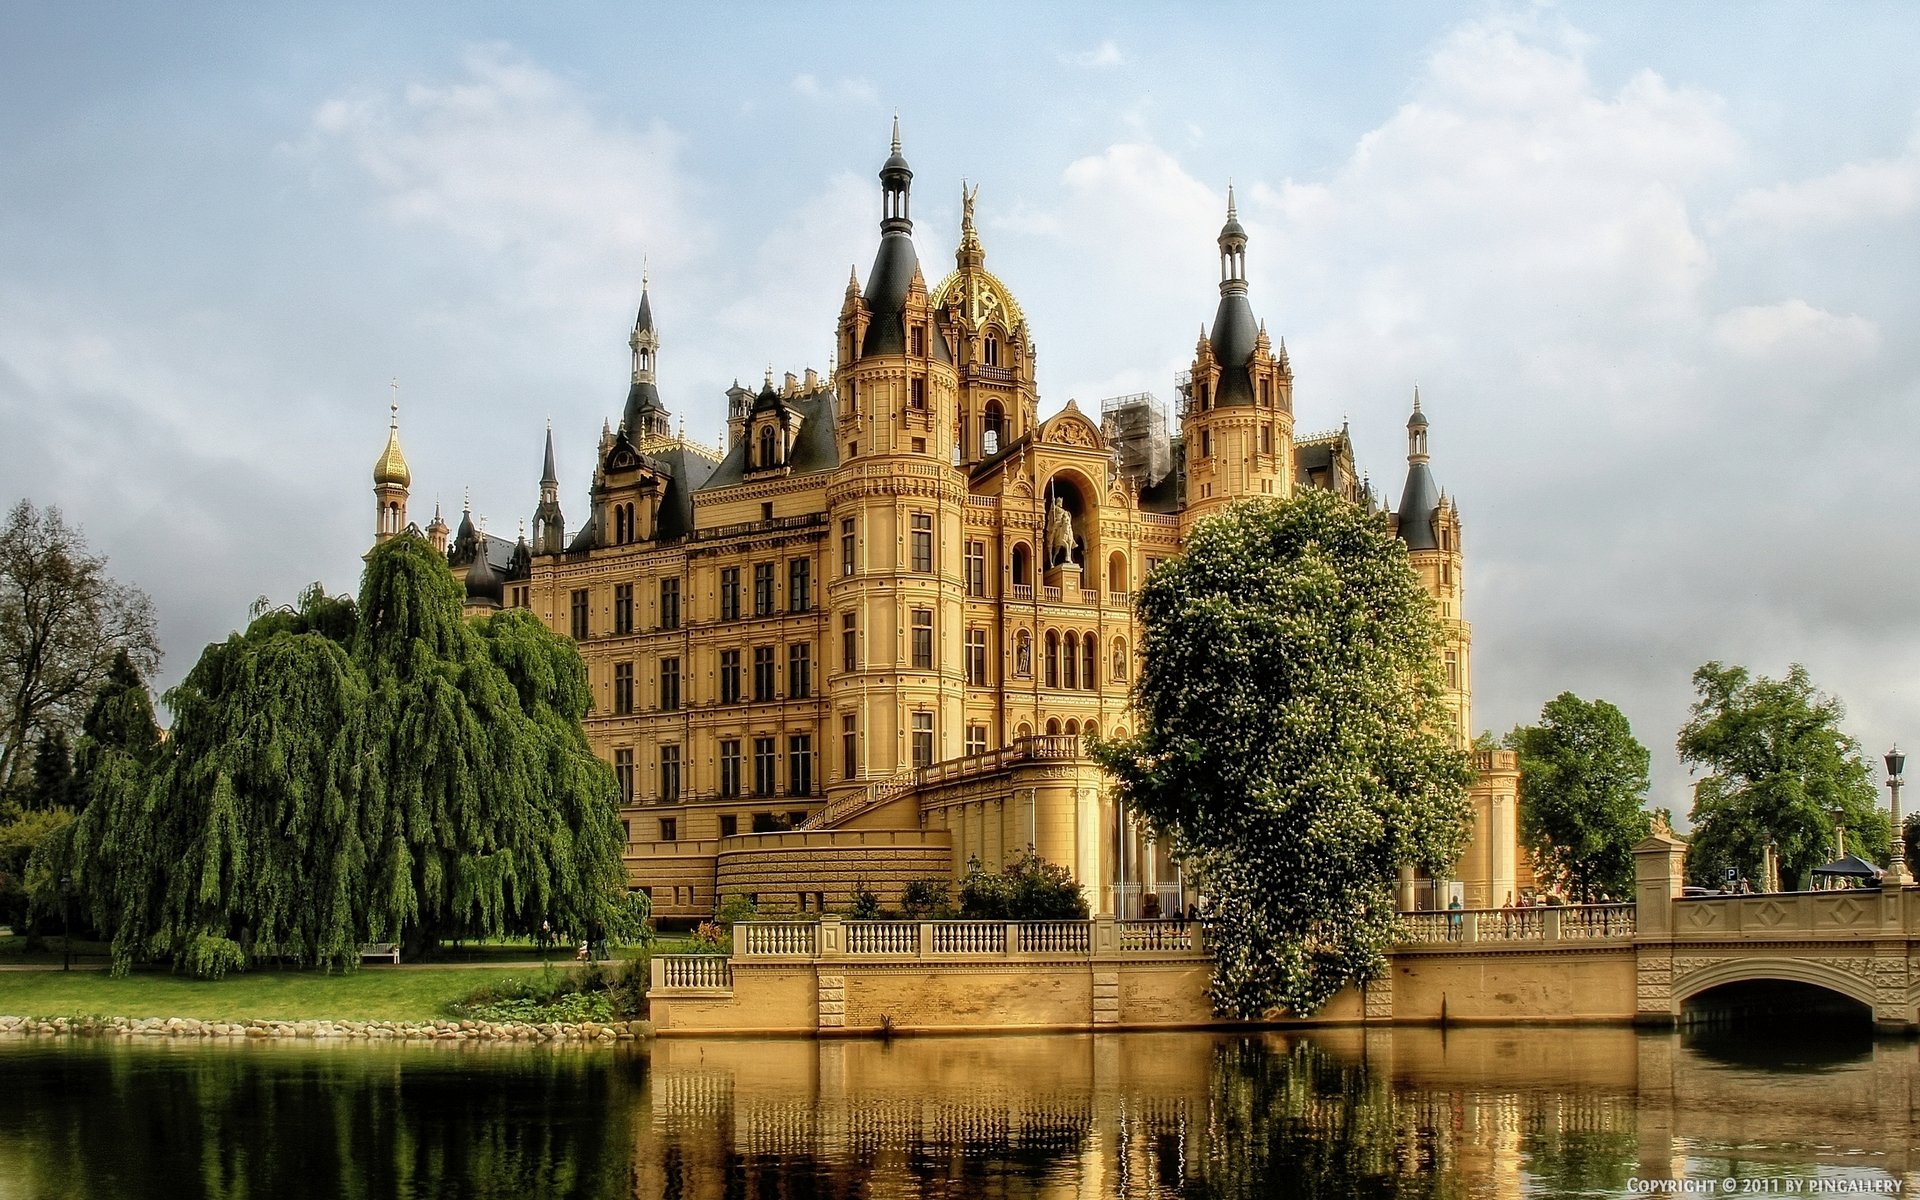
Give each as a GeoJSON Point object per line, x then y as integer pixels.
{"type": "Point", "coordinates": [1136, 427]}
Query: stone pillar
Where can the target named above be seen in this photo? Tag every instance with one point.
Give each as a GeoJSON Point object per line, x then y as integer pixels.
{"type": "Point", "coordinates": [1659, 866]}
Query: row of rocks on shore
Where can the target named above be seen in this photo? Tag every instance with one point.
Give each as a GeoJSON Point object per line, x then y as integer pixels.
{"type": "Point", "coordinates": [397, 1031]}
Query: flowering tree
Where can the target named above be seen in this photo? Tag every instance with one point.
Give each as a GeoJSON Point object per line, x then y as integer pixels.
{"type": "Point", "coordinates": [1293, 745]}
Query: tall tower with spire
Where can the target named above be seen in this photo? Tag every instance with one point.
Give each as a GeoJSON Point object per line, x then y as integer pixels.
{"type": "Point", "coordinates": [549, 527]}
{"type": "Point", "coordinates": [1237, 423]}
{"type": "Point", "coordinates": [391, 479]}
{"type": "Point", "coordinates": [644, 416]}
{"type": "Point", "coordinates": [896, 379]}
{"type": "Point", "coordinates": [1429, 523]}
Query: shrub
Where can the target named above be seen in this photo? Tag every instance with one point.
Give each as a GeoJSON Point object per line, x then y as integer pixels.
{"type": "Point", "coordinates": [1029, 888]}
{"type": "Point", "coordinates": [927, 898]}
{"type": "Point", "coordinates": [866, 903]}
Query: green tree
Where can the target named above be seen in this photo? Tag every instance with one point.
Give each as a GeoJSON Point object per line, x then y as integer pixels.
{"type": "Point", "coordinates": [343, 773]}
{"type": "Point", "coordinates": [1583, 780]}
{"type": "Point", "coordinates": [63, 622]}
{"type": "Point", "coordinates": [1294, 746]}
{"type": "Point", "coordinates": [1777, 768]}
{"type": "Point", "coordinates": [52, 784]}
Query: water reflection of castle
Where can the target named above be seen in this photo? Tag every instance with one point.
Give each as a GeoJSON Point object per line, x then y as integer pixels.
{"type": "Point", "coordinates": [1141, 1115]}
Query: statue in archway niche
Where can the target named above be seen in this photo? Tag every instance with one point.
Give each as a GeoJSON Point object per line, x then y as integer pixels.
{"type": "Point", "coordinates": [1023, 655]}
{"type": "Point", "coordinates": [1060, 539]}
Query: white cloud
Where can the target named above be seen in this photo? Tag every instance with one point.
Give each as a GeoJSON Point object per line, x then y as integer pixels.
{"type": "Point", "coordinates": [510, 160]}
{"type": "Point", "coordinates": [1106, 54]}
{"type": "Point", "coordinates": [849, 90]}
{"type": "Point", "coordinates": [1795, 331]}
{"type": "Point", "coordinates": [1879, 189]}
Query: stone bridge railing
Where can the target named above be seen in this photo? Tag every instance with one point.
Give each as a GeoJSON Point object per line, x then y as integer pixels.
{"type": "Point", "coordinates": [1574, 922]}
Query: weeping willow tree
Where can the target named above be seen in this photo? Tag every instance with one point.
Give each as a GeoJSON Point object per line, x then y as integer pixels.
{"type": "Point", "coordinates": [341, 773]}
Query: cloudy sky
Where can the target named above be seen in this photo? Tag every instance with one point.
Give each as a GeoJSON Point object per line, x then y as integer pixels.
{"type": "Point", "coordinates": [1652, 267]}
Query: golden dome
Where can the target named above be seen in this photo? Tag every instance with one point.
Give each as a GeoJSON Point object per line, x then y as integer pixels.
{"type": "Point", "coordinates": [391, 467]}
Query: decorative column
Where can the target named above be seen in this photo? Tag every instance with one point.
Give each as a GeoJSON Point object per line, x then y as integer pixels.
{"type": "Point", "coordinates": [1896, 876]}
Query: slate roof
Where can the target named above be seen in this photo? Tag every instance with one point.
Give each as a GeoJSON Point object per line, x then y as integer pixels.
{"type": "Point", "coordinates": [818, 448]}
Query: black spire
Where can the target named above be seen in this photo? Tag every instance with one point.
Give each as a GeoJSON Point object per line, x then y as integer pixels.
{"type": "Point", "coordinates": [895, 263]}
{"type": "Point", "coordinates": [549, 527]}
{"type": "Point", "coordinates": [1234, 329]}
{"type": "Point", "coordinates": [644, 415]}
{"type": "Point", "coordinates": [1421, 496]}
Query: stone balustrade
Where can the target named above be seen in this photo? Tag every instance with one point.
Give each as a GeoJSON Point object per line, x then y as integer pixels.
{"type": "Point", "coordinates": [1572, 922]}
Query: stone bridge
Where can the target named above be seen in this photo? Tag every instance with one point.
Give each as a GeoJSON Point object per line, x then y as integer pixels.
{"type": "Point", "coordinates": [1644, 963]}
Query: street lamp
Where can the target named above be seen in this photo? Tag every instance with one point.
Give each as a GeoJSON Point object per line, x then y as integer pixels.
{"type": "Point", "coordinates": [1897, 865]}
{"type": "Point", "coordinates": [66, 922]}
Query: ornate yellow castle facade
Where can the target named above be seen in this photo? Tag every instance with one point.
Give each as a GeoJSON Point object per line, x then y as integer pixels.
{"type": "Point", "coordinates": [863, 642]}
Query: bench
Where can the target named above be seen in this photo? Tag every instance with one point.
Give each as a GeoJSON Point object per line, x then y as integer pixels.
{"type": "Point", "coordinates": [386, 950]}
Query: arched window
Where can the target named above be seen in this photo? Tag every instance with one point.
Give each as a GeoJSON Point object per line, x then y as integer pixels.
{"type": "Point", "coordinates": [1089, 653]}
{"type": "Point", "coordinates": [1117, 573]}
{"type": "Point", "coordinates": [1073, 729]}
{"type": "Point", "coordinates": [1053, 727]}
{"type": "Point", "coordinates": [1053, 659]}
{"type": "Point", "coordinates": [992, 352]}
{"type": "Point", "coordinates": [993, 429]}
{"type": "Point", "coordinates": [1071, 677]}
{"type": "Point", "coordinates": [1022, 565]}
{"type": "Point", "coordinates": [1025, 731]}
{"type": "Point", "coordinates": [766, 446]}
{"type": "Point", "coordinates": [1091, 728]}
{"type": "Point", "coordinates": [1119, 672]}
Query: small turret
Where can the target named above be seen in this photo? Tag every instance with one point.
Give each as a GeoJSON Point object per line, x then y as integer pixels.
{"type": "Point", "coordinates": [1420, 499]}
{"type": "Point", "coordinates": [644, 416]}
{"type": "Point", "coordinates": [391, 479]}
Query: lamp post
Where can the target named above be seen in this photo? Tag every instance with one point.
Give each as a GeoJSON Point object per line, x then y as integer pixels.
{"type": "Point", "coordinates": [1897, 861]}
{"type": "Point", "coordinates": [66, 922]}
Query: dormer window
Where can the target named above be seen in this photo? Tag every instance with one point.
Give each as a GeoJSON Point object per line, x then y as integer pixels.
{"type": "Point", "coordinates": [767, 444]}
{"type": "Point", "coordinates": [919, 341]}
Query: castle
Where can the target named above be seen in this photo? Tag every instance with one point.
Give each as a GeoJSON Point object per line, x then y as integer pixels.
{"type": "Point", "coordinates": [863, 641]}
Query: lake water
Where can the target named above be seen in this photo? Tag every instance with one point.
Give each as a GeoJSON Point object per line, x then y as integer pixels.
{"type": "Point", "coordinates": [1404, 1113]}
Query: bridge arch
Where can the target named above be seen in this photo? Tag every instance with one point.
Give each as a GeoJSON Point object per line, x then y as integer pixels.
{"type": "Point", "coordinates": [1763, 969]}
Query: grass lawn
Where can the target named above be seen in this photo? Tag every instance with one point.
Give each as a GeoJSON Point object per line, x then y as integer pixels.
{"type": "Point", "coordinates": [372, 993]}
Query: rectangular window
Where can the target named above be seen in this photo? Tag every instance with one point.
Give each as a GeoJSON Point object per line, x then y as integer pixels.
{"type": "Point", "coordinates": [976, 740]}
{"type": "Point", "coordinates": [923, 739]}
{"type": "Point", "coordinates": [799, 585]}
{"type": "Point", "coordinates": [766, 767]}
{"type": "Point", "coordinates": [918, 393]}
{"type": "Point", "coordinates": [762, 589]}
{"type": "Point", "coordinates": [579, 614]}
{"type": "Point", "coordinates": [799, 671]}
{"type": "Point", "coordinates": [977, 657]}
{"type": "Point", "coordinates": [622, 608]}
{"type": "Point", "coordinates": [1206, 443]}
{"type": "Point", "coordinates": [729, 825]}
{"type": "Point", "coordinates": [669, 775]}
{"type": "Point", "coordinates": [762, 674]}
{"type": "Point", "coordinates": [923, 639]}
{"type": "Point", "coordinates": [919, 341]}
{"type": "Point", "coordinates": [976, 568]}
{"type": "Point", "coordinates": [669, 829]}
{"type": "Point", "coordinates": [846, 547]}
{"type": "Point", "coordinates": [1453, 669]}
{"type": "Point", "coordinates": [849, 746]}
{"type": "Point", "coordinates": [1266, 431]}
{"type": "Point", "coordinates": [923, 543]}
{"type": "Point", "coordinates": [729, 677]}
{"type": "Point", "coordinates": [626, 832]}
{"type": "Point", "coordinates": [730, 594]}
{"type": "Point", "coordinates": [849, 643]}
{"type": "Point", "coordinates": [800, 765]}
{"type": "Point", "coordinates": [622, 688]}
{"type": "Point", "coordinates": [623, 774]}
{"type": "Point", "coordinates": [730, 767]}
{"type": "Point", "coordinates": [670, 685]}
{"type": "Point", "coordinates": [669, 604]}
